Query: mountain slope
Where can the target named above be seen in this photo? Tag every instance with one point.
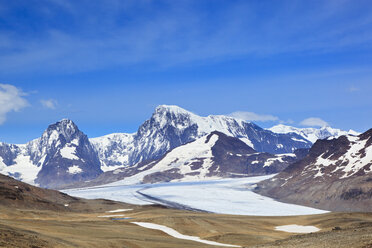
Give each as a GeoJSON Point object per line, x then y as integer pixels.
{"type": "Point", "coordinates": [212, 156]}
{"type": "Point", "coordinates": [63, 154]}
{"type": "Point", "coordinates": [172, 126]}
{"type": "Point", "coordinates": [335, 175]}
{"type": "Point", "coordinates": [312, 134]}
{"type": "Point", "coordinates": [16, 194]}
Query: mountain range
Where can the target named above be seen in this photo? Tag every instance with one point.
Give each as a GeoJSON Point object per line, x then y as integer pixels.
{"type": "Point", "coordinates": [172, 126]}
{"type": "Point", "coordinates": [335, 175]}
{"type": "Point", "coordinates": [64, 155]}
{"type": "Point", "coordinates": [212, 156]}
{"type": "Point", "coordinates": [312, 134]}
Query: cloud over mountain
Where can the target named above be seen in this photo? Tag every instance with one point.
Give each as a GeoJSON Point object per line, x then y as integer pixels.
{"type": "Point", "coordinates": [11, 99]}
{"type": "Point", "coordinates": [314, 122]}
{"type": "Point", "coordinates": [250, 116]}
{"type": "Point", "coordinates": [50, 103]}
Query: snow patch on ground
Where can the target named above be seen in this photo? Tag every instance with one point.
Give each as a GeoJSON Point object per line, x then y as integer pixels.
{"type": "Point", "coordinates": [178, 235]}
{"type": "Point", "coordinates": [111, 216]}
{"type": "Point", "coordinates": [297, 229]}
{"type": "Point", "coordinates": [119, 210]}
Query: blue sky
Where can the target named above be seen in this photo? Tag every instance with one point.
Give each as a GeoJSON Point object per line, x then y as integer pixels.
{"type": "Point", "coordinates": [107, 64]}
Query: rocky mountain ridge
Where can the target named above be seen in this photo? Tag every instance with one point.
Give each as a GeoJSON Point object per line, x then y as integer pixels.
{"type": "Point", "coordinates": [64, 155]}
{"type": "Point", "coordinates": [172, 126]}
{"type": "Point", "coordinates": [335, 175]}
{"type": "Point", "coordinates": [212, 156]}
{"type": "Point", "coordinates": [312, 134]}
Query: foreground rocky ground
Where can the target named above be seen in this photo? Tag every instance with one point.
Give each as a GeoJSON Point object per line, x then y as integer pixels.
{"type": "Point", "coordinates": [35, 217]}
{"type": "Point", "coordinates": [83, 228]}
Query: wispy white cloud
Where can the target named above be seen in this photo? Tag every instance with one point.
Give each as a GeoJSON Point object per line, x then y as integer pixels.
{"type": "Point", "coordinates": [314, 122]}
{"type": "Point", "coordinates": [250, 116]}
{"type": "Point", "coordinates": [353, 88]}
{"type": "Point", "coordinates": [11, 99]}
{"type": "Point", "coordinates": [50, 103]}
{"type": "Point", "coordinates": [177, 33]}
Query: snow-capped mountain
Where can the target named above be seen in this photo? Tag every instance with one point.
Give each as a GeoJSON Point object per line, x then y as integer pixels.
{"type": "Point", "coordinates": [312, 134]}
{"type": "Point", "coordinates": [335, 175]}
{"type": "Point", "coordinates": [212, 156]}
{"type": "Point", "coordinates": [63, 154]}
{"type": "Point", "coordinates": [172, 126]}
{"type": "Point", "coordinates": [114, 149]}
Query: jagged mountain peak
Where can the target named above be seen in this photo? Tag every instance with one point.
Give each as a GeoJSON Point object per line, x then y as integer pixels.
{"type": "Point", "coordinates": [57, 135]}
{"type": "Point", "coordinates": [166, 116]}
{"type": "Point", "coordinates": [65, 127]}
{"type": "Point", "coordinates": [177, 114]}
{"type": "Point", "coordinates": [171, 126]}
{"type": "Point", "coordinates": [61, 155]}
{"type": "Point", "coordinates": [66, 153]}
{"type": "Point", "coordinates": [176, 110]}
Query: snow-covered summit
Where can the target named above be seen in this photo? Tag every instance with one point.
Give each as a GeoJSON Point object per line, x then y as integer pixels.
{"type": "Point", "coordinates": [171, 109]}
{"type": "Point", "coordinates": [312, 134]}
{"type": "Point", "coordinates": [171, 126]}
{"type": "Point", "coordinates": [182, 118]}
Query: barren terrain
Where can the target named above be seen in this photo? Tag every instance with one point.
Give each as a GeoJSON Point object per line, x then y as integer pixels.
{"type": "Point", "coordinates": [83, 228]}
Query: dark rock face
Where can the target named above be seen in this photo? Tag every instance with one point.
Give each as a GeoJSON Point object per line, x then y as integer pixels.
{"type": "Point", "coordinates": [267, 141]}
{"type": "Point", "coordinates": [160, 134]}
{"type": "Point", "coordinates": [16, 194]}
{"type": "Point", "coordinates": [335, 175]}
{"type": "Point", "coordinates": [233, 158]}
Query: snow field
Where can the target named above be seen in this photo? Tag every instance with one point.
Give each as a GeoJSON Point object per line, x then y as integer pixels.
{"type": "Point", "coordinates": [297, 229]}
{"type": "Point", "coordinates": [178, 235]}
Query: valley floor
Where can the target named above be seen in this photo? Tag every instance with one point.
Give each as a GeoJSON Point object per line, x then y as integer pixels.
{"type": "Point", "coordinates": [223, 196]}
{"type": "Point", "coordinates": [36, 228]}
{"type": "Point", "coordinates": [105, 223]}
